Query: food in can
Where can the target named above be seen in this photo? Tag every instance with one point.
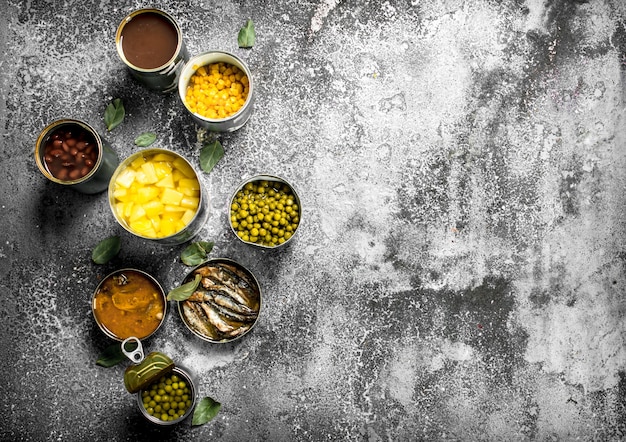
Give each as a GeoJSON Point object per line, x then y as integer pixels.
{"type": "Point", "coordinates": [149, 40]}
{"type": "Point", "coordinates": [156, 195]}
{"type": "Point", "coordinates": [265, 212]}
{"type": "Point", "coordinates": [168, 398]}
{"type": "Point", "coordinates": [70, 152]}
{"type": "Point", "coordinates": [225, 304]}
{"type": "Point", "coordinates": [129, 303]}
{"type": "Point", "coordinates": [217, 90]}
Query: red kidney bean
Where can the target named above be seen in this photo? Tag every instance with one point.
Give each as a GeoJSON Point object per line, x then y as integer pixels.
{"type": "Point", "coordinates": [74, 174]}
{"type": "Point", "coordinates": [70, 152]}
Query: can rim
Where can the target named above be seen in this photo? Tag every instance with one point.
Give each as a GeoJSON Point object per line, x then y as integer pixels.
{"type": "Point", "coordinates": [268, 177]}
{"type": "Point", "coordinates": [249, 273]}
{"type": "Point", "coordinates": [123, 164]}
{"type": "Point", "coordinates": [127, 19]}
{"type": "Point", "coordinates": [209, 57]}
{"type": "Point", "coordinates": [108, 332]}
{"type": "Point", "coordinates": [45, 134]}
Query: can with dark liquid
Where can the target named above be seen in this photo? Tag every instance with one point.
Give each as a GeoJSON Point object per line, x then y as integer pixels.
{"type": "Point", "coordinates": [150, 43]}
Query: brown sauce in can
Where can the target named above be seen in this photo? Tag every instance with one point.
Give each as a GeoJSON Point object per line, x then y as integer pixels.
{"type": "Point", "coordinates": [149, 40]}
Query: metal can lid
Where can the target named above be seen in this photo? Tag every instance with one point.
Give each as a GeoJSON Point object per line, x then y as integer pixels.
{"type": "Point", "coordinates": [148, 369]}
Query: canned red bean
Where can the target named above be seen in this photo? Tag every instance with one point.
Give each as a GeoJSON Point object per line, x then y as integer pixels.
{"type": "Point", "coordinates": [72, 153]}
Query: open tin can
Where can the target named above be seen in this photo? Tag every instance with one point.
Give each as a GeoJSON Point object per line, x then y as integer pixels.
{"type": "Point", "coordinates": [170, 208]}
{"type": "Point", "coordinates": [129, 302]}
{"type": "Point", "coordinates": [166, 393]}
{"type": "Point", "coordinates": [150, 43]}
{"type": "Point", "coordinates": [228, 123]}
{"type": "Point", "coordinates": [71, 153]}
{"type": "Point", "coordinates": [226, 303]}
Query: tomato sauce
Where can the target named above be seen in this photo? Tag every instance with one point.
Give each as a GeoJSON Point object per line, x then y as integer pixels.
{"type": "Point", "coordinates": [149, 40]}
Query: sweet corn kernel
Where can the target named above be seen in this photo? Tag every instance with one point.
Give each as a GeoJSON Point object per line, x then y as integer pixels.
{"type": "Point", "coordinates": [208, 95]}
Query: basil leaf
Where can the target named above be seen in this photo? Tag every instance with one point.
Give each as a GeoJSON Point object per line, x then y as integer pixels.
{"type": "Point", "coordinates": [114, 114]}
{"type": "Point", "coordinates": [184, 291]}
{"type": "Point", "coordinates": [106, 249]}
{"type": "Point", "coordinates": [206, 410]}
{"type": "Point", "coordinates": [210, 155]}
{"type": "Point", "coordinates": [145, 139]}
{"type": "Point", "coordinates": [112, 355]}
{"type": "Point", "coordinates": [196, 253]}
{"type": "Point", "coordinates": [247, 35]}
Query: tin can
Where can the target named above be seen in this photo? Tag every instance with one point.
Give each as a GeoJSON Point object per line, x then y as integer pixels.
{"type": "Point", "coordinates": [147, 370]}
{"type": "Point", "coordinates": [150, 43]}
{"type": "Point", "coordinates": [275, 181]}
{"type": "Point", "coordinates": [232, 122]}
{"type": "Point", "coordinates": [195, 221]}
{"type": "Point", "coordinates": [106, 160]}
{"type": "Point", "coordinates": [241, 315]}
{"type": "Point", "coordinates": [135, 310]}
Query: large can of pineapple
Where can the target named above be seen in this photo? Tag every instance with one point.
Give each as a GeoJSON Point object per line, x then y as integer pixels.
{"type": "Point", "coordinates": [156, 194]}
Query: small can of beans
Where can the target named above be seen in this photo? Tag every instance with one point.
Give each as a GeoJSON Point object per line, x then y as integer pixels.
{"type": "Point", "coordinates": [150, 43]}
{"type": "Point", "coordinates": [70, 152]}
{"type": "Point", "coordinates": [217, 90]}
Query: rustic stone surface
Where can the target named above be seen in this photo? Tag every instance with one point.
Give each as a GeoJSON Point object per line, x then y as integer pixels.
{"type": "Point", "coordinates": [459, 274]}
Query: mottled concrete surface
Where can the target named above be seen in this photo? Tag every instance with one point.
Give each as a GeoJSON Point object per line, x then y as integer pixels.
{"type": "Point", "coordinates": [460, 271]}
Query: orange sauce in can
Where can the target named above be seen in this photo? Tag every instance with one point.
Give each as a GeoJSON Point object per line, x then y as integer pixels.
{"type": "Point", "coordinates": [129, 303]}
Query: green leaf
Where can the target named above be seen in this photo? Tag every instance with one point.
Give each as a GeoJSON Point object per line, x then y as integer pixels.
{"type": "Point", "coordinates": [184, 291]}
{"type": "Point", "coordinates": [145, 139]}
{"type": "Point", "coordinates": [112, 355]}
{"type": "Point", "coordinates": [247, 35]}
{"type": "Point", "coordinates": [114, 114]}
{"type": "Point", "coordinates": [206, 410]}
{"type": "Point", "coordinates": [196, 253]}
{"type": "Point", "coordinates": [210, 155]}
{"type": "Point", "coordinates": [106, 249]}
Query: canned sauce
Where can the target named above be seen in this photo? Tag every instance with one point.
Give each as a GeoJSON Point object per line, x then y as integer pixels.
{"type": "Point", "coordinates": [149, 40]}
{"type": "Point", "coordinates": [129, 304]}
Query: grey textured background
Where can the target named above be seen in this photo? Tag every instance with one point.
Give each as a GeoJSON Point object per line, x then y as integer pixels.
{"type": "Point", "coordinates": [459, 274]}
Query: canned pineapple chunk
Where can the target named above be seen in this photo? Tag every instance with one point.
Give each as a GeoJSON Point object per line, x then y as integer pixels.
{"type": "Point", "coordinates": [156, 195]}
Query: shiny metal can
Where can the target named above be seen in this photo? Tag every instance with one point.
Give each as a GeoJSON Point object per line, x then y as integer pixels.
{"type": "Point", "coordinates": [232, 122]}
{"type": "Point", "coordinates": [149, 37]}
{"type": "Point", "coordinates": [194, 222]}
{"type": "Point", "coordinates": [106, 160]}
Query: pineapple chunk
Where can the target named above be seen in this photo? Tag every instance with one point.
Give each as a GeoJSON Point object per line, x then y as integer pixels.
{"type": "Point", "coordinates": [162, 169]}
{"type": "Point", "coordinates": [163, 157]}
{"type": "Point", "coordinates": [142, 226]}
{"type": "Point", "coordinates": [187, 183]}
{"type": "Point", "coordinates": [171, 196]}
{"type": "Point", "coordinates": [148, 169]}
{"type": "Point", "coordinates": [125, 178]}
{"type": "Point", "coordinates": [146, 194]}
{"type": "Point", "coordinates": [167, 181]}
{"type": "Point", "coordinates": [153, 208]}
{"type": "Point", "coordinates": [189, 202]}
{"type": "Point", "coordinates": [184, 167]}
{"type": "Point", "coordinates": [169, 208]}
{"type": "Point", "coordinates": [128, 208]}
{"type": "Point", "coordinates": [138, 162]}
{"type": "Point", "coordinates": [137, 213]}
{"type": "Point", "coordinates": [168, 227]}
{"type": "Point", "coordinates": [188, 216]}
{"type": "Point", "coordinates": [121, 194]}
